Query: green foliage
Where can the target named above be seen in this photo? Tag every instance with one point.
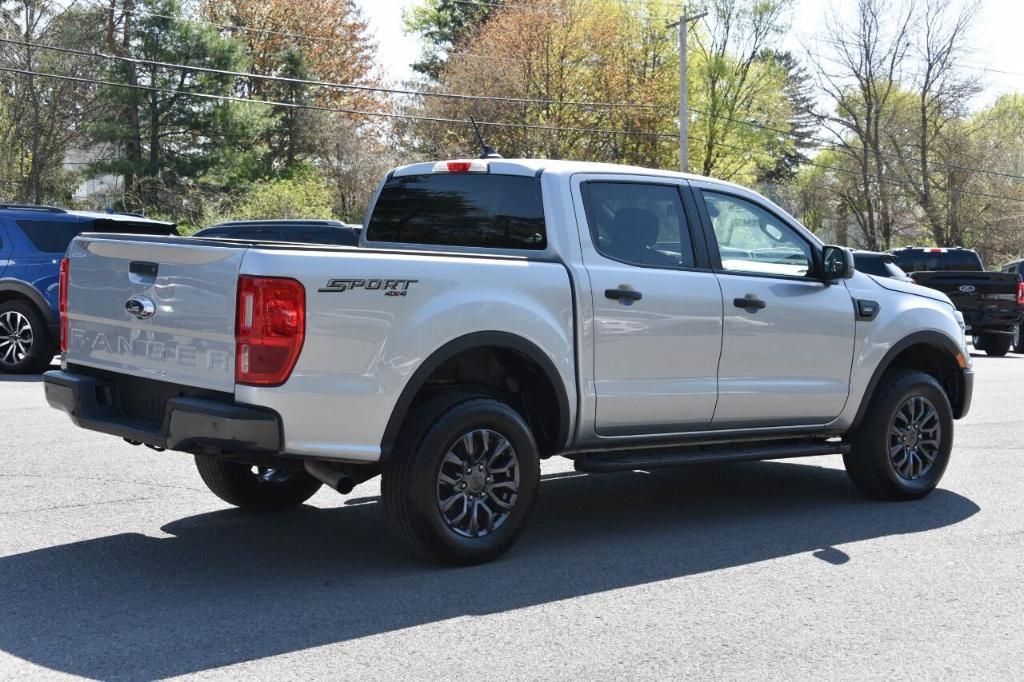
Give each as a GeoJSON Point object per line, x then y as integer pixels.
{"type": "Point", "coordinates": [304, 195]}
{"type": "Point", "coordinates": [163, 139]}
{"type": "Point", "coordinates": [444, 25]}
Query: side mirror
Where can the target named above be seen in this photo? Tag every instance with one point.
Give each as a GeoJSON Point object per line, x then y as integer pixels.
{"type": "Point", "coordinates": [837, 263]}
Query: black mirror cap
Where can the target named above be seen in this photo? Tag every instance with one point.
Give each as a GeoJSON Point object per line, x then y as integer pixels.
{"type": "Point", "coordinates": [837, 263]}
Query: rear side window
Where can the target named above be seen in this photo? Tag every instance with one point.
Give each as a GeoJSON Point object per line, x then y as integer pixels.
{"type": "Point", "coordinates": [481, 210]}
{"type": "Point", "coordinates": [931, 261]}
{"type": "Point", "coordinates": [52, 236]}
{"type": "Point", "coordinates": [639, 223]}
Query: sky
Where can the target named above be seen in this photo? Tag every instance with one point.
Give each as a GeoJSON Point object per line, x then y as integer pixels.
{"type": "Point", "coordinates": [997, 43]}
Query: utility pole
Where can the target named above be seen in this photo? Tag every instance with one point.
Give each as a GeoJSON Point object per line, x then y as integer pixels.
{"type": "Point", "coordinates": [684, 107]}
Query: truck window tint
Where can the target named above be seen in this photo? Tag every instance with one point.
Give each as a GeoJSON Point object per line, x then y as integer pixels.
{"type": "Point", "coordinates": [750, 239]}
{"type": "Point", "coordinates": [482, 210]}
{"type": "Point", "coordinates": [52, 236]}
{"type": "Point", "coordinates": [639, 223]}
{"type": "Point", "coordinates": [934, 261]}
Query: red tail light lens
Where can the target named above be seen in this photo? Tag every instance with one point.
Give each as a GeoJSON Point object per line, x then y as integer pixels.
{"type": "Point", "coordinates": [270, 326]}
{"type": "Point", "coordinates": [1020, 293]}
{"type": "Point", "coordinates": [63, 304]}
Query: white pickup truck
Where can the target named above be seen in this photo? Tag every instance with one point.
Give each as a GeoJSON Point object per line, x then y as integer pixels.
{"type": "Point", "coordinates": [499, 312]}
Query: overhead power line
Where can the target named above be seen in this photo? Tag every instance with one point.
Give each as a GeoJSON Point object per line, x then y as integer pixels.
{"type": "Point", "coordinates": [437, 119]}
{"type": "Point", "coordinates": [331, 84]}
{"type": "Point", "coordinates": [470, 97]}
{"type": "Point", "coordinates": [341, 110]}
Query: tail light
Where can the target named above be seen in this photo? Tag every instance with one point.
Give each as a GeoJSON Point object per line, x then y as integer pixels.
{"type": "Point", "coordinates": [270, 326]}
{"type": "Point", "coordinates": [1020, 293]}
{"type": "Point", "coordinates": [62, 306]}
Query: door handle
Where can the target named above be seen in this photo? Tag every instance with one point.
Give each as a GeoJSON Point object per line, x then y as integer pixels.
{"type": "Point", "coordinates": [749, 302]}
{"type": "Point", "coordinates": [621, 294]}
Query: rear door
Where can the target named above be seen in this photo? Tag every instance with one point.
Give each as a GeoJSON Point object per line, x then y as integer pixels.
{"type": "Point", "coordinates": [160, 308]}
{"type": "Point", "coordinates": [787, 343]}
{"type": "Point", "coordinates": [657, 324]}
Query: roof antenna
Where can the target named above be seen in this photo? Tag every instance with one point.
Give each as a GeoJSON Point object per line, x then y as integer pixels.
{"type": "Point", "coordinates": [488, 152]}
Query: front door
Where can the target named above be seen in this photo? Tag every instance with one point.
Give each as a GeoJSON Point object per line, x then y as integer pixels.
{"type": "Point", "coordinates": [657, 308]}
{"type": "Point", "coordinates": [788, 337]}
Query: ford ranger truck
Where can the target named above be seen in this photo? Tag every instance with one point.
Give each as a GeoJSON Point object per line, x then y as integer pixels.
{"type": "Point", "coordinates": [499, 312]}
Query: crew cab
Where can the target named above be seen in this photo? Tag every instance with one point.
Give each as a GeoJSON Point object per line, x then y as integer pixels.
{"type": "Point", "coordinates": [991, 302]}
{"type": "Point", "coordinates": [500, 312]}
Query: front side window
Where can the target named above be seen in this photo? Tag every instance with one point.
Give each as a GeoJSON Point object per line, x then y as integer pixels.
{"type": "Point", "coordinates": [460, 209]}
{"type": "Point", "coordinates": [752, 240]}
{"type": "Point", "coordinates": [639, 223]}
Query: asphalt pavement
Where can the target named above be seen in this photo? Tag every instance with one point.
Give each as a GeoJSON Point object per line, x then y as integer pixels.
{"type": "Point", "coordinates": [117, 563]}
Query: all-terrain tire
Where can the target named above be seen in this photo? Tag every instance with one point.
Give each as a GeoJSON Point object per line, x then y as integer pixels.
{"type": "Point", "coordinates": [412, 486]}
{"type": "Point", "coordinates": [25, 343]}
{"type": "Point", "coordinates": [256, 488]}
{"type": "Point", "coordinates": [878, 450]}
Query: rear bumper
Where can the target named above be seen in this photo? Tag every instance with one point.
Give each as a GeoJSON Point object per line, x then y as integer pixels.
{"type": "Point", "coordinates": [189, 424]}
{"type": "Point", "coordinates": [982, 322]}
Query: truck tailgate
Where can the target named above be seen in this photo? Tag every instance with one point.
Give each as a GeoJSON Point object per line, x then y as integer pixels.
{"type": "Point", "coordinates": [154, 307]}
{"type": "Point", "coordinates": [974, 291]}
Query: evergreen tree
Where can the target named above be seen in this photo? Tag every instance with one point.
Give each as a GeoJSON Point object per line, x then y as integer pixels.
{"type": "Point", "coordinates": [162, 139]}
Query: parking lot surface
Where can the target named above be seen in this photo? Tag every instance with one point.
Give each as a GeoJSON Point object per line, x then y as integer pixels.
{"type": "Point", "coordinates": [117, 563]}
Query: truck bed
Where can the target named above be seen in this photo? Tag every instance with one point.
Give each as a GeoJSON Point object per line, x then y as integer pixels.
{"type": "Point", "coordinates": [371, 315]}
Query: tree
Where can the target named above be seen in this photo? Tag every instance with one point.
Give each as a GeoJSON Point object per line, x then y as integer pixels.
{"type": "Point", "coordinates": [598, 80]}
{"type": "Point", "coordinates": [45, 115]}
{"type": "Point", "coordinates": [941, 92]}
{"type": "Point", "coordinates": [168, 138]}
{"type": "Point", "coordinates": [802, 123]}
{"type": "Point", "coordinates": [326, 40]}
{"type": "Point", "coordinates": [735, 77]}
{"type": "Point", "coordinates": [862, 80]}
{"type": "Point", "coordinates": [445, 26]}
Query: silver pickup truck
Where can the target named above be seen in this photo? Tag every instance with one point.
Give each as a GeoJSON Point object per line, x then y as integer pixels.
{"type": "Point", "coordinates": [499, 312]}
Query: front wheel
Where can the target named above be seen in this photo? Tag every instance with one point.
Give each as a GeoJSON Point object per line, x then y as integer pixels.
{"type": "Point", "coordinates": [251, 487]}
{"type": "Point", "coordinates": [902, 446]}
{"type": "Point", "coordinates": [462, 479]}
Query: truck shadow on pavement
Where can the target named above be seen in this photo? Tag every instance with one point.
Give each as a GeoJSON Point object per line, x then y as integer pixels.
{"type": "Point", "coordinates": [231, 586]}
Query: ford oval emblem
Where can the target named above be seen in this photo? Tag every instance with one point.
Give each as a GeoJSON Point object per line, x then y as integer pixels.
{"type": "Point", "coordinates": [140, 306]}
{"type": "Point", "coordinates": [967, 288]}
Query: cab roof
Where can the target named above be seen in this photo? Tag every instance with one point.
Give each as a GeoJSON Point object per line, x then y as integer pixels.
{"type": "Point", "coordinates": [536, 167]}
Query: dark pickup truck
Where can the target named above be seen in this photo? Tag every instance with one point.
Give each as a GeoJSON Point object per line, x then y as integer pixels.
{"type": "Point", "coordinates": [992, 303]}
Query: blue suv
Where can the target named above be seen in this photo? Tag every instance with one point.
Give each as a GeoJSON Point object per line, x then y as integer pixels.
{"type": "Point", "coordinates": [33, 240]}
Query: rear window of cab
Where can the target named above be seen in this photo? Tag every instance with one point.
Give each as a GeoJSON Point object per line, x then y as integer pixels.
{"type": "Point", "coordinates": [460, 209]}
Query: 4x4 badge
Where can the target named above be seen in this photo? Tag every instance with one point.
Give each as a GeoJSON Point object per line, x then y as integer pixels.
{"type": "Point", "coordinates": [390, 287]}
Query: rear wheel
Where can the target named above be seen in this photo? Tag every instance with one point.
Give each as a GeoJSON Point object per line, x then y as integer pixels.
{"type": "Point", "coordinates": [1017, 340]}
{"type": "Point", "coordinates": [245, 485]}
{"type": "Point", "coordinates": [25, 343]}
{"type": "Point", "coordinates": [997, 345]}
{"type": "Point", "coordinates": [903, 445]}
{"type": "Point", "coordinates": [462, 479]}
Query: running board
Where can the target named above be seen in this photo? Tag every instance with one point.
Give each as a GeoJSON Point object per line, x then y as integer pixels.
{"type": "Point", "coordinates": [600, 463]}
